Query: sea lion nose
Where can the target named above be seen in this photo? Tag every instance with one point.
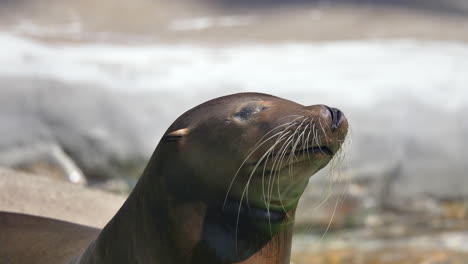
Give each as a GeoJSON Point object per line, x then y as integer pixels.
{"type": "Point", "coordinates": [336, 116]}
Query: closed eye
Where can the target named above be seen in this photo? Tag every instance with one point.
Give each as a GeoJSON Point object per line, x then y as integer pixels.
{"type": "Point", "coordinates": [249, 110]}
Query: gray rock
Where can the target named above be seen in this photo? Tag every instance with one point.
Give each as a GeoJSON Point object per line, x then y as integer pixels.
{"type": "Point", "coordinates": [108, 134]}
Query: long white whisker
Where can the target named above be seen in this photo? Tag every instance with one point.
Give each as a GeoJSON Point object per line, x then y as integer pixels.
{"type": "Point", "coordinates": [245, 160]}
{"type": "Point", "coordinates": [281, 159]}
{"type": "Point", "coordinates": [257, 146]}
{"type": "Point", "coordinates": [276, 168]}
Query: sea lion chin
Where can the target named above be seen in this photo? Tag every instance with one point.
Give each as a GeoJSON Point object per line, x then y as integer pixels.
{"type": "Point", "coordinates": [221, 187]}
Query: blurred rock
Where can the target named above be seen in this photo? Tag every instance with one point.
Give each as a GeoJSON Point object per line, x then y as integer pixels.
{"type": "Point", "coordinates": [447, 6]}
{"type": "Point", "coordinates": [108, 134]}
{"type": "Point", "coordinates": [357, 247]}
{"type": "Point", "coordinates": [383, 256]}
{"type": "Point", "coordinates": [43, 159]}
{"type": "Point", "coordinates": [38, 195]}
{"type": "Point", "coordinates": [273, 20]}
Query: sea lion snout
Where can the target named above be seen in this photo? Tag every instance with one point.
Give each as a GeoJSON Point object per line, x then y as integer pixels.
{"type": "Point", "coordinates": [334, 117]}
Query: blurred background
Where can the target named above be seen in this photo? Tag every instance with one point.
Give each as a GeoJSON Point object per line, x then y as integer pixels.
{"type": "Point", "coordinates": [88, 87]}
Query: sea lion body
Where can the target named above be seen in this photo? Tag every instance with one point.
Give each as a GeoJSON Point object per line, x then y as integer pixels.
{"type": "Point", "coordinates": [221, 187]}
{"type": "Point", "coordinates": [31, 239]}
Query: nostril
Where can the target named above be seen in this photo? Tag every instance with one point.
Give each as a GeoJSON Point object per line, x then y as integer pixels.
{"type": "Point", "coordinates": [336, 116]}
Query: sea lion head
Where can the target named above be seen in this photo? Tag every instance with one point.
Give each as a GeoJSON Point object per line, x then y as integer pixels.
{"type": "Point", "coordinates": [250, 149]}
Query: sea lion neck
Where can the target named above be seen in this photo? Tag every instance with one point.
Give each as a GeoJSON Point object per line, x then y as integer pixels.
{"type": "Point", "coordinates": [151, 229]}
{"type": "Point", "coordinates": [140, 232]}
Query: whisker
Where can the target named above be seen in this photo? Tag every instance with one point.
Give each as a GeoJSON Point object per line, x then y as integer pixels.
{"type": "Point", "coordinates": [281, 135]}
{"type": "Point", "coordinates": [285, 124]}
{"type": "Point", "coordinates": [323, 130]}
{"type": "Point", "coordinates": [293, 150]}
{"type": "Point", "coordinates": [252, 152]}
{"type": "Point", "coordinates": [276, 168]}
{"type": "Point", "coordinates": [280, 163]}
{"type": "Point", "coordinates": [307, 141]}
{"type": "Point", "coordinates": [339, 200]}
{"type": "Point", "coordinates": [242, 164]}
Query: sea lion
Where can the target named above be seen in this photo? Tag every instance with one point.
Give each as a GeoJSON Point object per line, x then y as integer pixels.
{"type": "Point", "coordinates": [221, 187]}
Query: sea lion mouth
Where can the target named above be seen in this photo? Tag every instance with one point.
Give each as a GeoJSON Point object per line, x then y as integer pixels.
{"type": "Point", "coordinates": [304, 152]}
{"type": "Point", "coordinates": [316, 150]}
{"type": "Point", "coordinates": [234, 209]}
{"type": "Point", "coordinates": [311, 150]}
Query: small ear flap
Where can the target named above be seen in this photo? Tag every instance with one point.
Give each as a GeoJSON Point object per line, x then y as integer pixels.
{"type": "Point", "coordinates": [175, 135]}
